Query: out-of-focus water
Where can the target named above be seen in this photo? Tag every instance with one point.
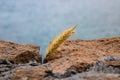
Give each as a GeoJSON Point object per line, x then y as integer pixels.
{"type": "Point", "coordinates": [39, 21]}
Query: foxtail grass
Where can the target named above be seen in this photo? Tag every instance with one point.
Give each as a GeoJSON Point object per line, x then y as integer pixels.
{"type": "Point", "coordinates": [58, 41]}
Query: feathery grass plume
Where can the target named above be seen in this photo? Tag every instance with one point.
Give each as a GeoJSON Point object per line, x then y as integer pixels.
{"type": "Point", "coordinates": [58, 41]}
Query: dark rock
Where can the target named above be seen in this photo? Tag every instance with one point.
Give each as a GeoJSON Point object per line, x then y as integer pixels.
{"type": "Point", "coordinates": [70, 73]}
{"type": "Point", "coordinates": [109, 58]}
{"type": "Point", "coordinates": [109, 64]}
{"type": "Point", "coordinates": [33, 63]}
{"type": "Point", "coordinates": [57, 75]}
{"type": "Point", "coordinates": [5, 62]}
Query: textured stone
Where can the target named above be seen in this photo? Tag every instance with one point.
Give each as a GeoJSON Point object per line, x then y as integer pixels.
{"type": "Point", "coordinates": [17, 53]}
{"type": "Point", "coordinates": [80, 54]}
{"type": "Point", "coordinates": [29, 73]}
{"type": "Point", "coordinates": [94, 76]}
{"type": "Point", "coordinates": [75, 60]}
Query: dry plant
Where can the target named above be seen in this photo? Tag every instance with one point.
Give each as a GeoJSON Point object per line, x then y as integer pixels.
{"type": "Point", "coordinates": [50, 51]}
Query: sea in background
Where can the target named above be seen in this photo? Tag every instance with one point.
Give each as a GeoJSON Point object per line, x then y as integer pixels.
{"type": "Point", "coordinates": [40, 21]}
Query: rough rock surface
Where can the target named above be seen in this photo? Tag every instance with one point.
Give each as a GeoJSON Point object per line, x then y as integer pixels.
{"type": "Point", "coordinates": [75, 60]}
{"type": "Point", "coordinates": [93, 76]}
{"type": "Point", "coordinates": [17, 53]}
{"type": "Point", "coordinates": [80, 54]}
{"type": "Point", "coordinates": [29, 73]}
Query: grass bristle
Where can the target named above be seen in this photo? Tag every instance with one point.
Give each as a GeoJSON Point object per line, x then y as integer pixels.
{"type": "Point", "coordinates": [59, 40]}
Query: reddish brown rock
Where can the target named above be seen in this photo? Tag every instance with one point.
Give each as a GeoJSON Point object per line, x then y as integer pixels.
{"type": "Point", "coordinates": [103, 77]}
{"type": "Point", "coordinates": [17, 53]}
{"type": "Point", "coordinates": [29, 73]}
{"type": "Point", "coordinates": [75, 52]}
{"type": "Point", "coordinates": [94, 76]}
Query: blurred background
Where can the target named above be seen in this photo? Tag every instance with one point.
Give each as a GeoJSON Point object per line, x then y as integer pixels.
{"type": "Point", "coordinates": [39, 21]}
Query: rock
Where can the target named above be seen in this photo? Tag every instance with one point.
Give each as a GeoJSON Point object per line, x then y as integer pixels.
{"type": "Point", "coordinates": [109, 64]}
{"type": "Point", "coordinates": [94, 76]}
{"type": "Point", "coordinates": [6, 71]}
{"type": "Point", "coordinates": [109, 58]}
{"type": "Point", "coordinates": [103, 77]}
{"type": "Point", "coordinates": [29, 73]}
{"type": "Point", "coordinates": [75, 60]}
{"type": "Point", "coordinates": [80, 54]}
{"type": "Point", "coordinates": [4, 61]}
{"type": "Point", "coordinates": [33, 63]}
{"type": "Point", "coordinates": [25, 57]}
{"type": "Point", "coordinates": [113, 63]}
{"type": "Point", "coordinates": [17, 53]}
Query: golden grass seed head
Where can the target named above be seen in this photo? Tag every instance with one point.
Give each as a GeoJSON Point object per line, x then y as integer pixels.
{"type": "Point", "coordinates": [58, 41]}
